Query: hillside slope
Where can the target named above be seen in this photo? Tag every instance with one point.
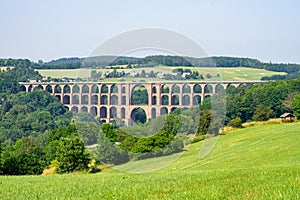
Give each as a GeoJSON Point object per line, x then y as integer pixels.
{"type": "Point", "coordinates": [260, 162]}
{"type": "Point", "coordinates": [260, 146]}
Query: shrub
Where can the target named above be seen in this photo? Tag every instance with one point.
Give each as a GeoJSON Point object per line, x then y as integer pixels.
{"type": "Point", "coordinates": [236, 123]}
{"type": "Point", "coordinates": [72, 155]}
{"type": "Point", "coordinates": [24, 158]}
{"type": "Point", "coordinates": [198, 138]}
{"type": "Point", "coordinates": [263, 113]}
{"type": "Point", "coordinates": [108, 153]}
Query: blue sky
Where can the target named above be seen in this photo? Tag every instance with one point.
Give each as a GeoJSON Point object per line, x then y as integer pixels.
{"type": "Point", "coordinates": [38, 29]}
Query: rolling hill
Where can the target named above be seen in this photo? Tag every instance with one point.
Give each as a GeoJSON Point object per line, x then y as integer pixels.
{"type": "Point", "coordinates": [226, 74]}
{"type": "Point", "coordinates": [261, 162]}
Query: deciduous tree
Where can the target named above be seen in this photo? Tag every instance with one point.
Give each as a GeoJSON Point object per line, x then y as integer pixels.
{"type": "Point", "coordinates": [72, 155]}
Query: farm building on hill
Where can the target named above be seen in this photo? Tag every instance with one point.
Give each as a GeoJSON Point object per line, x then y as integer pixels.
{"type": "Point", "coordinates": [288, 117]}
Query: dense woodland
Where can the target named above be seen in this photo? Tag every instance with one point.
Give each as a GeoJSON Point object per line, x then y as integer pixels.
{"type": "Point", "coordinates": [37, 132]}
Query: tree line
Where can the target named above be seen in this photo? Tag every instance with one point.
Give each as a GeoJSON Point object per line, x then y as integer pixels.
{"type": "Point", "coordinates": [261, 102]}
{"type": "Point", "coordinates": [292, 70]}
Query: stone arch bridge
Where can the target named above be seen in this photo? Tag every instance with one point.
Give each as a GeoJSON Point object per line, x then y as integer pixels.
{"type": "Point", "coordinates": [109, 100]}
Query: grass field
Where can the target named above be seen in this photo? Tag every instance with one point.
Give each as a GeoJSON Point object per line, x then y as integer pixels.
{"type": "Point", "coordinates": [260, 162]}
{"type": "Point", "coordinates": [4, 68]}
{"type": "Point", "coordinates": [227, 74]}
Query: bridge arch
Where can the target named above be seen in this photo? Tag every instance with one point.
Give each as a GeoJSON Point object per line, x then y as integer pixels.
{"type": "Point", "coordinates": [67, 89]}
{"type": "Point", "coordinates": [66, 99]}
{"type": "Point", "coordinates": [196, 100]}
{"type": "Point", "coordinates": [154, 100]}
{"type": "Point", "coordinates": [138, 115]}
{"type": "Point", "coordinates": [85, 99]}
{"type": "Point", "coordinates": [49, 89]}
{"type": "Point", "coordinates": [123, 90]}
{"type": "Point", "coordinates": [93, 111]}
{"type": "Point", "coordinates": [85, 89]}
{"type": "Point", "coordinates": [74, 109]}
{"type": "Point", "coordinates": [153, 113]}
{"type": "Point", "coordinates": [173, 109]}
{"type": "Point", "coordinates": [123, 113]}
{"type": "Point", "coordinates": [23, 88]}
{"type": "Point", "coordinates": [186, 100]}
{"type": "Point", "coordinates": [176, 89]}
{"type": "Point", "coordinates": [208, 89]}
{"type": "Point", "coordinates": [219, 88]}
{"type": "Point", "coordinates": [186, 88]}
{"type": "Point", "coordinates": [94, 99]}
{"type": "Point", "coordinates": [123, 101]}
{"type": "Point", "coordinates": [114, 100]}
{"type": "Point", "coordinates": [163, 111]}
{"type": "Point", "coordinates": [154, 91]}
{"type": "Point", "coordinates": [30, 88]}
{"type": "Point", "coordinates": [165, 100]}
{"type": "Point", "coordinates": [197, 89]}
{"type": "Point", "coordinates": [207, 97]}
{"type": "Point", "coordinates": [76, 89]}
{"type": "Point", "coordinates": [113, 112]}
{"type": "Point", "coordinates": [165, 89]}
{"type": "Point", "coordinates": [114, 89]}
{"type": "Point", "coordinates": [75, 99]}
{"type": "Point", "coordinates": [58, 96]}
{"type": "Point", "coordinates": [103, 112]}
{"type": "Point", "coordinates": [84, 109]}
{"type": "Point", "coordinates": [104, 100]}
{"type": "Point", "coordinates": [175, 100]}
{"type": "Point", "coordinates": [104, 88]}
{"type": "Point", "coordinates": [139, 95]}
{"type": "Point", "coordinates": [57, 89]}
{"type": "Point", "coordinates": [95, 89]}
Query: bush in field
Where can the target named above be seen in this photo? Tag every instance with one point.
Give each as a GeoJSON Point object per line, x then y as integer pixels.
{"type": "Point", "coordinates": [24, 158]}
{"type": "Point", "coordinates": [160, 144]}
{"type": "Point", "coordinates": [53, 139]}
{"type": "Point", "coordinates": [108, 153]}
{"type": "Point", "coordinates": [198, 138]}
{"type": "Point", "coordinates": [64, 145]}
{"type": "Point", "coordinates": [171, 125]}
{"type": "Point", "coordinates": [153, 143]}
{"type": "Point", "coordinates": [236, 123]}
{"type": "Point", "coordinates": [109, 132]}
{"type": "Point", "coordinates": [72, 155]}
{"type": "Point", "coordinates": [204, 122]}
{"type": "Point", "coordinates": [263, 113]}
{"type": "Point", "coordinates": [88, 132]}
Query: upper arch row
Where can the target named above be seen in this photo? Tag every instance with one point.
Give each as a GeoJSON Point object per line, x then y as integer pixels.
{"type": "Point", "coordinates": [114, 88]}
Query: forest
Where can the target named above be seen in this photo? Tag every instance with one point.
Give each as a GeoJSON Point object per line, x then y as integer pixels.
{"type": "Point", "coordinates": [37, 131]}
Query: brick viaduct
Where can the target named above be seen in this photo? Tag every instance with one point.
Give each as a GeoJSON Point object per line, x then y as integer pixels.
{"type": "Point", "coordinates": [109, 100]}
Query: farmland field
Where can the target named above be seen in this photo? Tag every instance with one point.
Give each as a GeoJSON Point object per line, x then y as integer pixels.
{"type": "Point", "coordinates": [227, 74]}
{"type": "Point", "coordinates": [4, 68]}
{"type": "Point", "coordinates": [261, 162]}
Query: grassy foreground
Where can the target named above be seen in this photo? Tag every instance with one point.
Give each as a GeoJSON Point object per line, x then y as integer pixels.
{"type": "Point", "coordinates": [260, 162]}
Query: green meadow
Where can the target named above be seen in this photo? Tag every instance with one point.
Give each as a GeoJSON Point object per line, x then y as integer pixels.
{"type": "Point", "coordinates": [260, 162]}
{"type": "Point", "coordinates": [226, 74]}
{"type": "Point", "coordinates": [4, 68]}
